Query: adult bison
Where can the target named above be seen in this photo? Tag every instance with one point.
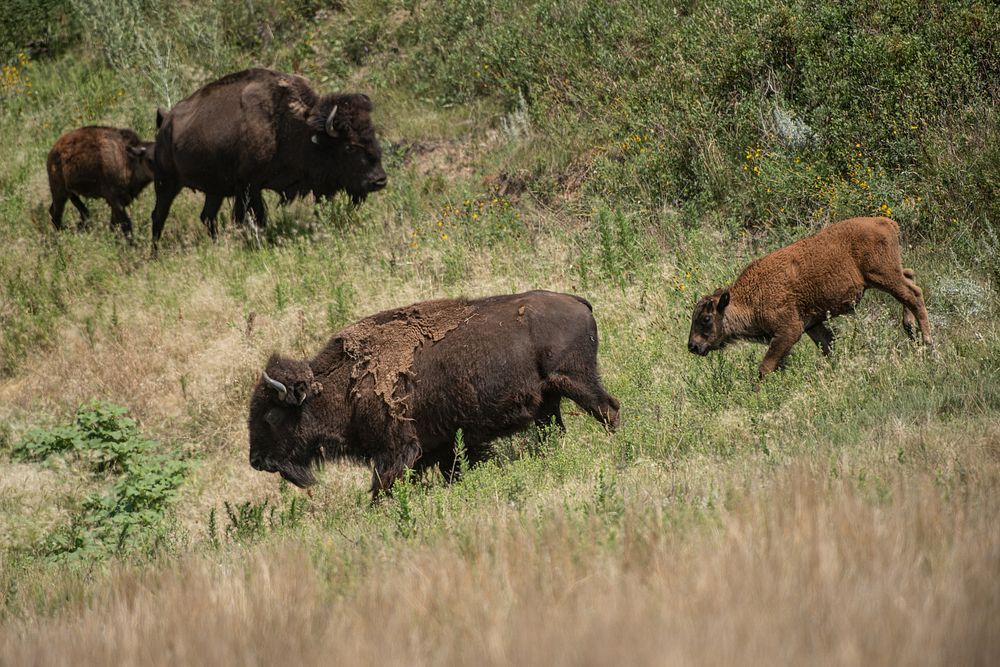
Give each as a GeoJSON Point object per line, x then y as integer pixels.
{"type": "Point", "coordinates": [394, 388]}
{"type": "Point", "coordinates": [794, 290]}
{"type": "Point", "coordinates": [96, 161]}
{"type": "Point", "coordinates": [260, 129]}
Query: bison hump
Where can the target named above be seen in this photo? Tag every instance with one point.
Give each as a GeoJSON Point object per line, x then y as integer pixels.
{"type": "Point", "coordinates": [259, 131]}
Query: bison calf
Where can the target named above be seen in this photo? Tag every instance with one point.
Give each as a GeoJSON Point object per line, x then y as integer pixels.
{"type": "Point", "coordinates": [395, 388]}
{"type": "Point", "coordinates": [797, 288]}
{"type": "Point", "coordinates": [107, 162]}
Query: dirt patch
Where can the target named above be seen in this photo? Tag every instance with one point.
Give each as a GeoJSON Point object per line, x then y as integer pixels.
{"type": "Point", "coordinates": [446, 158]}
{"type": "Point", "coordinates": [383, 345]}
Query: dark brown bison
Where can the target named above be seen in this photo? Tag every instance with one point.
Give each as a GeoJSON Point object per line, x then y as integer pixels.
{"type": "Point", "coordinates": [394, 388]}
{"type": "Point", "coordinates": [107, 162]}
{"type": "Point", "coordinates": [259, 129]}
{"type": "Point", "coordinates": [797, 288]}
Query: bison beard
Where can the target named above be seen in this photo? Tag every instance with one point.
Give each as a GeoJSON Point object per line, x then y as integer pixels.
{"type": "Point", "coordinates": [394, 388]}
{"type": "Point", "coordinates": [299, 474]}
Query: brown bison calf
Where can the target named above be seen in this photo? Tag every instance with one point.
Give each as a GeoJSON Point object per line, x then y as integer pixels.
{"type": "Point", "coordinates": [797, 288]}
{"type": "Point", "coordinates": [107, 162]}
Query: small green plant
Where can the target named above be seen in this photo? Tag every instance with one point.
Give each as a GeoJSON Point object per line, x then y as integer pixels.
{"type": "Point", "coordinates": [406, 521]}
{"type": "Point", "coordinates": [247, 520]}
{"type": "Point", "coordinates": [338, 311]}
{"type": "Point", "coordinates": [101, 435]}
{"type": "Point", "coordinates": [251, 520]}
{"type": "Point", "coordinates": [130, 514]}
{"type": "Point", "coordinates": [280, 296]}
{"type": "Point", "coordinates": [213, 529]}
{"type": "Point", "coordinates": [461, 455]}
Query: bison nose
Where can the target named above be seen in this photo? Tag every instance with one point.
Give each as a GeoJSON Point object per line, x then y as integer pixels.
{"type": "Point", "coordinates": [692, 348]}
{"type": "Point", "coordinates": [379, 183]}
{"type": "Point", "coordinates": [256, 462]}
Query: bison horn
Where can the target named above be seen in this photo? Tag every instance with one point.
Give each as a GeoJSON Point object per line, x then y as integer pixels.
{"type": "Point", "coordinates": [329, 122]}
{"type": "Point", "coordinates": [277, 386]}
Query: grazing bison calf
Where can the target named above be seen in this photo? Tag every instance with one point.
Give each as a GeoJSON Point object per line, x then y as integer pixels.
{"type": "Point", "coordinates": [394, 388]}
{"type": "Point", "coordinates": [107, 162]}
{"type": "Point", "coordinates": [797, 288]}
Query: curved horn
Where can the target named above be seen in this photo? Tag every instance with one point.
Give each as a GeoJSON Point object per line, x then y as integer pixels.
{"type": "Point", "coordinates": [277, 386]}
{"type": "Point", "coordinates": [329, 122]}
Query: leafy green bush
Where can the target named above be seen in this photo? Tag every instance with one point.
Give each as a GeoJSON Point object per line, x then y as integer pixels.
{"type": "Point", "coordinates": [130, 514]}
{"type": "Point", "coordinates": [842, 106]}
{"type": "Point", "coordinates": [101, 435]}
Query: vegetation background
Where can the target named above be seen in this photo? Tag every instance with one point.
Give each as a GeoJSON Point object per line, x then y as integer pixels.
{"type": "Point", "coordinates": [639, 153]}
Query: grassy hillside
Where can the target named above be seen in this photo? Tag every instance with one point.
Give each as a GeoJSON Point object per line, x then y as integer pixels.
{"type": "Point", "coordinates": [637, 153]}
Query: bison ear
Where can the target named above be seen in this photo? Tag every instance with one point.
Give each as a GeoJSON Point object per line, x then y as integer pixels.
{"type": "Point", "coordinates": [159, 117]}
{"type": "Point", "coordinates": [723, 302]}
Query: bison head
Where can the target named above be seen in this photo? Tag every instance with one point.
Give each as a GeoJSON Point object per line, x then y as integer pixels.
{"type": "Point", "coordinates": [707, 331]}
{"type": "Point", "coordinates": [348, 155]}
{"type": "Point", "coordinates": [283, 432]}
{"type": "Point", "coordinates": [140, 161]}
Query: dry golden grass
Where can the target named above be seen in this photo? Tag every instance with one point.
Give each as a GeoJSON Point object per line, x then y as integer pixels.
{"type": "Point", "coordinates": [810, 572]}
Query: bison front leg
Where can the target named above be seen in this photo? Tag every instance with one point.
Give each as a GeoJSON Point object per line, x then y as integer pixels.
{"type": "Point", "coordinates": [166, 191]}
{"type": "Point", "coordinates": [392, 465]}
{"type": "Point", "coordinates": [779, 347]}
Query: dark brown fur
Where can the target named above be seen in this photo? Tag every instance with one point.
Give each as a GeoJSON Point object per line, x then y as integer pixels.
{"type": "Point", "coordinates": [394, 388]}
{"type": "Point", "coordinates": [260, 129]}
{"type": "Point", "coordinates": [794, 290]}
{"type": "Point", "coordinates": [107, 162]}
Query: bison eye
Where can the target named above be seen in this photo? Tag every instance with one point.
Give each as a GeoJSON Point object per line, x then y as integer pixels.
{"type": "Point", "coordinates": [349, 148]}
{"type": "Point", "coordinates": [706, 320]}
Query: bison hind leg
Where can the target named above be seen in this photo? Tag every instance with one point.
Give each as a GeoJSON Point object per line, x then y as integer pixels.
{"type": "Point", "coordinates": [903, 288]}
{"type": "Point", "coordinates": [590, 395]}
{"type": "Point", "coordinates": [81, 208]}
{"type": "Point", "coordinates": [209, 213]}
{"type": "Point", "coordinates": [56, 210]}
{"type": "Point", "coordinates": [909, 319]}
{"type": "Point", "coordinates": [822, 336]}
{"type": "Point", "coordinates": [550, 412]}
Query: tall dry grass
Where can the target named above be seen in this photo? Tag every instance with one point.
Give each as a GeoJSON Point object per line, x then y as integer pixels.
{"type": "Point", "coordinates": [811, 572]}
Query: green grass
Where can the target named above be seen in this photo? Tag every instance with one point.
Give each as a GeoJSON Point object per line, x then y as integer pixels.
{"type": "Point", "coordinates": [639, 154]}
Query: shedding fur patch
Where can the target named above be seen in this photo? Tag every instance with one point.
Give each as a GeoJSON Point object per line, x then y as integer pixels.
{"type": "Point", "coordinates": [383, 345]}
{"type": "Point", "coordinates": [300, 97]}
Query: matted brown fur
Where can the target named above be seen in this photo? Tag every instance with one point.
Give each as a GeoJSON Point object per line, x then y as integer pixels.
{"type": "Point", "coordinates": [383, 344]}
{"type": "Point", "coordinates": [794, 290]}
